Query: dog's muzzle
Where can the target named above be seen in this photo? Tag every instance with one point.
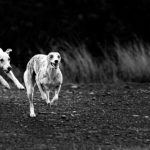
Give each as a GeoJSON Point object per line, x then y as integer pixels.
{"type": "Point", "coordinates": [55, 65]}
{"type": "Point", "coordinates": [7, 70]}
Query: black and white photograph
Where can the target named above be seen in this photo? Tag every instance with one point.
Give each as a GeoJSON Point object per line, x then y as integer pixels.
{"type": "Point", "coordinates": [74, 74]}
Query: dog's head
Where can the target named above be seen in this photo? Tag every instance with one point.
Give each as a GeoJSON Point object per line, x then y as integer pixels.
{"type": "Point", "coordinates": [54, 59]}
{"type": "Point", "coordinates": [5, 60]}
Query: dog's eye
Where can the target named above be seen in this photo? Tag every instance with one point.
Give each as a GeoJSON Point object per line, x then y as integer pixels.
{"type": "Point", "coordinates": [1, 60]}
{"type": "Point", "coordinates": [51, 56]}
{"type": "Point", "coordinates": [8, 59]}
{"type": "Point", "coordinates": [59, 56]}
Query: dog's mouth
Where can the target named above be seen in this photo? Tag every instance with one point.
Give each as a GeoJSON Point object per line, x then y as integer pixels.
{"type": "Point", "coordinates": [54, 65]}
{"type": "Point", "coordinates": [6, 71]}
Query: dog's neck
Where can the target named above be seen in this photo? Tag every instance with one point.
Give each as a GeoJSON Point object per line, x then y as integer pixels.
{"type": "Point", "coordinates": [51, 71]}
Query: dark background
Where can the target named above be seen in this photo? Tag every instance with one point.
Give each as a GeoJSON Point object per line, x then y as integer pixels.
{"type": "Point", "coordinates": [29, 26]}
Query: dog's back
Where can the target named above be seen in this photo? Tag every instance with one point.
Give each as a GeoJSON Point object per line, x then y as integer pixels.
{"type": "Point", "coordinates": [36, 62]}
{"type": "Point", "coordinates": [33, 67]}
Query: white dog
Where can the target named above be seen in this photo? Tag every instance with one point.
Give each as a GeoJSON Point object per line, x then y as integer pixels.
{"type": "Point", "coordinates": [44, 71]}
{"type": "Point", "coordinates": [5, 65]}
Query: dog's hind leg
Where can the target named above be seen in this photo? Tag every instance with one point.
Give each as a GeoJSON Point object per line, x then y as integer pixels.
{"type": "Point", "coordinates": [29, 83]}
{"type": "Point", "coordinates": [56, 94]}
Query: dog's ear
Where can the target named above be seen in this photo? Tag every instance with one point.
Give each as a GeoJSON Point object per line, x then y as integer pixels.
{"type": "Point", "coordinates": [1, 50]}
{"type": "Point", "coordinates": [8, 51]}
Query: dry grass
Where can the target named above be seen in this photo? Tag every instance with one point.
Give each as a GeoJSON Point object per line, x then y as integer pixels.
{"type": "Point", "coordinates": [134, 61]}
{"type": "Point", "coordinates": [78, 65]}
{"type": "Point", "coordinates": [131, 64]}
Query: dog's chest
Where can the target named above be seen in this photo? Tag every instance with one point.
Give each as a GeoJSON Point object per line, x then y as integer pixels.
{"type": "Point", "coordinates": [49, 81]}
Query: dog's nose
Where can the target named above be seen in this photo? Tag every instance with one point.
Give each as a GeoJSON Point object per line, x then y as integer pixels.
{"type": "Point", "coordinates": [9, 68]}
{"type": "Point", "coordinates": [56, 61]}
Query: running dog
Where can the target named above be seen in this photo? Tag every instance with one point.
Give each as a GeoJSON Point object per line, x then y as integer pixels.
{"type": "Point", "coordinates": [6, 67]}
{"type": "Point", "coordinates": [44, 71]}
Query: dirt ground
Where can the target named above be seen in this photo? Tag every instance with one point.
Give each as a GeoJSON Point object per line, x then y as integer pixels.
{"type": "Point", "coordinates": [86, 117]}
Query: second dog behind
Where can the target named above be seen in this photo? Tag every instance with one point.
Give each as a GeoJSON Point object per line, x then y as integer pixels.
{"type": "Point", "coordinates": [44, 71]}
{"type": "Point", "coordinates": [6, 67]}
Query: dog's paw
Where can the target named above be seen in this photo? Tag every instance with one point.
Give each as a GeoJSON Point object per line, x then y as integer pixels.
{"type": "Point", "coordinates": [43, 96]}
{"type": "Point", "coordinates": [48, 102]}
{"type": "Point", "coordinates": [32, 115]}
{"type": "Point", "coordinates": [55, 98]}
{"type": "Point", "coordinates": [7, 86]}
{"type": "Point", "coordinates": [54, 103]}
{"type": "Point", "coordinates": [20, 87]}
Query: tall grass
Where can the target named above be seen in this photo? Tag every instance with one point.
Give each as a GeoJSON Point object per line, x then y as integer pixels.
{"type": "Point", "coordinates": [132, 63]}
{"type": "Point", "coordinates": [78, 65]}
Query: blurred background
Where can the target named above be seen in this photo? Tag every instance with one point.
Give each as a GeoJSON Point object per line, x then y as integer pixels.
{"type": "Point", "coordinates": [99, 40]}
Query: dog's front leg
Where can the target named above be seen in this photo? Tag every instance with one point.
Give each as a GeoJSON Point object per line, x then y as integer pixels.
{"type": "Point", "coordinates": [47, 100]}
{"type": "Point", "coordinates": [56, 94]}
{"type": "Point", "coordinates": [14, 79]}
{"type": "Point", "coordinates": [4, 82]}
{"type": "Point", "coordinates": [43, 94]}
